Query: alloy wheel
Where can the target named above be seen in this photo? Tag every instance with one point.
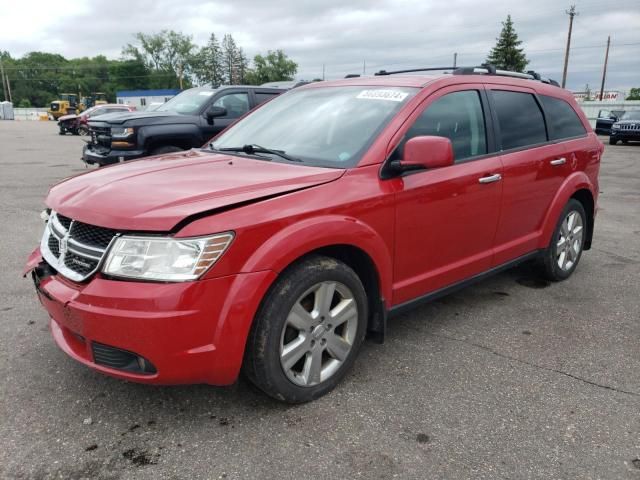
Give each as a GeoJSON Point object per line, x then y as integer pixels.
{"type": "Point", "coordinates": [569, 243]}
{"type": "Point", "coordinates": [319, 333]}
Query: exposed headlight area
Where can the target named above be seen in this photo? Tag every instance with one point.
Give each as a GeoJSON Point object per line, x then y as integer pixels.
{"type": "Point", "coordinates": [616, 126]}
{"type": "Point", "coordinates": [121, 132]}
{"type": "Point", "coordinates": [165, 258]}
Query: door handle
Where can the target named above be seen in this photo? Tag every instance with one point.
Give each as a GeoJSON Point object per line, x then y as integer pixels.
{"type": "Point", "coordinates": [558, 161]}
{"type": "Point", "coordinates": [496, 177]}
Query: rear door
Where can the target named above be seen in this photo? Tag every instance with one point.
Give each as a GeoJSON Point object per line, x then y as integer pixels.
{"type": "Point", "coordinates": [446, 218]}
{"type": "Point", "coordinates": [534, 169]}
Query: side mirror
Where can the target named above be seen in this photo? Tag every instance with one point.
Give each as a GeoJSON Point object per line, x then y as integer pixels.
{"type": "Point", "coordinates": [215, 112]}
{"type": "Point", "coordinates": [426, 152]}
{"type": "Point", "coordinates": [613, 117]}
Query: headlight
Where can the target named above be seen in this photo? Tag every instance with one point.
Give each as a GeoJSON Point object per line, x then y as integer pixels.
{"type": "Point", "coordinates": [119, 132]}
{"type": "Point", "coordinates": [615, 126]}
{"type": "Point", "coordinates": [165, 258]}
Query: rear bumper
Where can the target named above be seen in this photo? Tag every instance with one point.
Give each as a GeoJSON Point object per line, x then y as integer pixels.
{"type": "Point", "coordinates": [191, 332]}
{"type": "Point", "coordinates": [93, 156]}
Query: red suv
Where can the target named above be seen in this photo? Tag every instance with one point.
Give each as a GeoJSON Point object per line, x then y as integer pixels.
{"type": "Point", "coordinates": [275, 248]}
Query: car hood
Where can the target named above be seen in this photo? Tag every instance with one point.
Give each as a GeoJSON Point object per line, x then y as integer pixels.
{"type": "Point", "coordinates": [627, 122]}
{"type": "Point", "coordinates": [156, 193]}
{"type": "Point", "coordinates": [67, 117]}
{"type": "Point", "coordinates": [134, 119]}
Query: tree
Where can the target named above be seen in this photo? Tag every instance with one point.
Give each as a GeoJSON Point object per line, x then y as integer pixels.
{"type": "Point", "coordinates": [230, 59]}
{"type": "Point", "coordinates": [634, 94]}
{"type": "Point", "coordinates": [506, 55]}
{"type": "Point", "coordinates": [209, 63]}
{"type": "Point", "coordinates": [273, 67]}
{"type": "Point", "coordinates": [165, 53]}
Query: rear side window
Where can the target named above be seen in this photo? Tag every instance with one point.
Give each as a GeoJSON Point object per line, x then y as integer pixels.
{"type": "Point", "coordinates": [457, 116]}
{"type": "Point", "coordinates": [562, 118]}
{"type": "Point", "coordinates": [520, 119]}
{"type": "Point", "coordinates": [262, 97]}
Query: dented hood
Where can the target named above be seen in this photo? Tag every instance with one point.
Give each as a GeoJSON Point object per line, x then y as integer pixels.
{"type": "Point", "coordinates": [156, 193]}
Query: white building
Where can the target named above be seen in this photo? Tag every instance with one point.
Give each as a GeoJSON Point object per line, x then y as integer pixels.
{"type": "Point", "coordinates": [143, 98]}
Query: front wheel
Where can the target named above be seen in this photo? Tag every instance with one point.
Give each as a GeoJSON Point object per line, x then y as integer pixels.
{"type": "Point", "coordinates": [612, 141]}
{"type": "Point", "coordinates": [308, 330]}
{"type": "Point", "coordinates": [561, 257]}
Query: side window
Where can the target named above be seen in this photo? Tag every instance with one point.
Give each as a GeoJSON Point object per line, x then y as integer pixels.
{"type": "Point", "coordinates": [457, 116]}
{"type": "Point", "coordinates": [563, 120]}
{"type": "Point", "coordinates": [262, 97]}
{"type": "Point", "coordinates": [237, 104]}
{"type": "Point", "coordinates": [520, 119]}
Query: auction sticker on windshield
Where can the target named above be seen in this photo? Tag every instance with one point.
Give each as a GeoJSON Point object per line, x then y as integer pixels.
{"type": "Point", "coordinates": [391, 95]}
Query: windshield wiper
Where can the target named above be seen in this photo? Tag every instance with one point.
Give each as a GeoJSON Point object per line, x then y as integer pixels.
{"type": "Point", "coordinates": [252, 149]}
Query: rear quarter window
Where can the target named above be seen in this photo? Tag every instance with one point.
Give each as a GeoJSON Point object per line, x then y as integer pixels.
{"type": "Point", "coordinates": [520, 119]}
{"type": "Point", "coordinates": [563, 120]}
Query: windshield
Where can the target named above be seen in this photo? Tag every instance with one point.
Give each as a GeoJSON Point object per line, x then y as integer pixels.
{"type": "Point", "coordinates": [188, 102]}
{"type": "Point", "coordinates": [635, 115]}
{"type": "Point", "coordinates": [330, 126]}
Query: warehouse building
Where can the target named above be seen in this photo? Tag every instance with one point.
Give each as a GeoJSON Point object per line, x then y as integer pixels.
{"type": "Point", "coordinates": [141, 99]}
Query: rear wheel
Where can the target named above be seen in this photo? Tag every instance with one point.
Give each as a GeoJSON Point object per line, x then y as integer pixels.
{"type": "Point", "coordinates": [561, 257]}
{"type": "Point", "coordinates": [308, 331]}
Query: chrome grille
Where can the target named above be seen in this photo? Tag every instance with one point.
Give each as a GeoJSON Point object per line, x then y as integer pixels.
{"type": "Point", "coordinates": [629, 126]}
{"type": "Point", "coordinates": [74, 249]}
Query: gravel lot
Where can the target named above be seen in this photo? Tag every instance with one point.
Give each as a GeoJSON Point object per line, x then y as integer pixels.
{"type": "Point", "coordinates": [510, 378]}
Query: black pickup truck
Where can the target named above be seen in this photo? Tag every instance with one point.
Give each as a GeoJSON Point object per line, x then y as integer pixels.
{"type": "Point", "coordinates": [186, 121]}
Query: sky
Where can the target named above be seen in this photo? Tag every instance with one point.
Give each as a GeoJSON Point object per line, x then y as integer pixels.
{"type": "Point", "coordinates": [347, 36]}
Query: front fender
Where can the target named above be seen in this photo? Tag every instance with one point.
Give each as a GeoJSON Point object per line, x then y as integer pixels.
{"type": "Point", "coordinates": [574, 182]}
{"type": "Point", "coordinates": [303, 237]}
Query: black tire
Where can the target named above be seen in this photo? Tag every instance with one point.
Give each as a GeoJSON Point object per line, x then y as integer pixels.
{"type": "Point", "coordinates": [62, 131]}
{"type": "Point", "coordinates": [165, 149]}
{"type": "Point", "coordinates": [74, 131]}
{"type": "Point", "coordinates": [625, 142]}
{"type": "Point", "coordinates": [262, 363]}
{"type": "Point", "coordinates": [550, 268]}
{"type": "Point", "coordinates": [612, 141]}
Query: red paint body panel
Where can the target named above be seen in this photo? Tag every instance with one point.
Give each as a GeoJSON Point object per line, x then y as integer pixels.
{"type": "Point", "coordinates": [422, 231]}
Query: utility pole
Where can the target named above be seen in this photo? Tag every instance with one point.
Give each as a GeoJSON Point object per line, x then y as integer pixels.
{"type": "Point", "coordinates": [455, 59]}
{"type": "Point", "coordinates": [180, 75]}
{"type": "Point", "coordinates": [572, 13]}
{"type": "Point", "coordinates": [364, 67]}
{"type": "Point", "coordinates": [604, 71]}
{"type": "Point", "coordinates": [4, 80]}
{"type": "Point", "coordinates": [9, 90]}
{"type": "Point", "coordinates": [323, 71]}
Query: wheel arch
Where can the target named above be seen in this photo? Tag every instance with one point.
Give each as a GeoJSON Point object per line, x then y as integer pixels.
{"type": "Point", "coordinates": [585, 197]}
{"type": "Point", "coordinates": [578, 186]}
{"type": "Point", "coordinates": [346, 240]}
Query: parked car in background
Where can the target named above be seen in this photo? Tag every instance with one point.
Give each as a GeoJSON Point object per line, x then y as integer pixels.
{"type": "Point", "coordinates": [303, 226]}
{"type": "Point", "coordinates": [606, 118]}
{"type": "Point", "coordinates": [77, 124]}
{"type": "Point", "coordinates": [626, 129]}
{"type": "Point", "coordinates": [185, 121]}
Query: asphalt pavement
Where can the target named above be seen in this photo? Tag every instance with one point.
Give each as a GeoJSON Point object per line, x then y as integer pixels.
{"type": "Point", "coordinates": [510, 378]}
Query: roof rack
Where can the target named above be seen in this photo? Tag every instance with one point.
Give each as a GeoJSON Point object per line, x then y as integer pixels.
{"type": "Point", "coordinates": [484, 69]}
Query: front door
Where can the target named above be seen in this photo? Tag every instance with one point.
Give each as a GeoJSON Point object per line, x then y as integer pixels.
{"type": "Point", "coordinates": [235, 102]}
{"type": "Point", "coordinates": [446, 218]}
